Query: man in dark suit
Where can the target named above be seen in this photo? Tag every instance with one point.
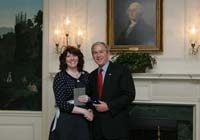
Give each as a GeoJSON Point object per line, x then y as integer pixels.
{"type": "Point", "coordinates": [118, 91]}
{"type": "Point", "coordinates": [137, 32]}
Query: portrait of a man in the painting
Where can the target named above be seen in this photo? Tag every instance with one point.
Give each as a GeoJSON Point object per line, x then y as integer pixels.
{"type": "Point", "coordinates": [135, 22]}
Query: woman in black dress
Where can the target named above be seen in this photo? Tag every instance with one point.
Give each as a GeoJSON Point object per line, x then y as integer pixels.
{"type": "Point", "coordinates": [70, 122]}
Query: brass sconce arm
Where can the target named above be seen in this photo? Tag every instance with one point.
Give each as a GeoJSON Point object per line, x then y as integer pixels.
{"type": "Point", "coordinates": [195, 48]}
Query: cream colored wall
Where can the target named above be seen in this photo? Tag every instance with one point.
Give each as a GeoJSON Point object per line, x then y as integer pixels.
{"type": "Point", "coordinates": [177, 17]}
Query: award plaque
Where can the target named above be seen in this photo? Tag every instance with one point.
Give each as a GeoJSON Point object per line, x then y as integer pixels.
{"type": "Point", "coordinates": [78, 92]}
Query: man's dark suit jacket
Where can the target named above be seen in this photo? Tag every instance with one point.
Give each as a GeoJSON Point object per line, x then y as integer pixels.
{"type": "Point", "coordinates": [118, 93]}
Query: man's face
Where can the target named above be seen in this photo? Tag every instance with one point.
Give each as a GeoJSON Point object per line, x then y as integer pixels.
{"type": "Point", "coordinates": [132, 11]}
{"type": "Point", "coordinates": [100, 55]}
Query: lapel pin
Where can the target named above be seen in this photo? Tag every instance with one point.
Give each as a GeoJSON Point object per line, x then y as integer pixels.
{"type": "Point", "coordinates": [110, 74]}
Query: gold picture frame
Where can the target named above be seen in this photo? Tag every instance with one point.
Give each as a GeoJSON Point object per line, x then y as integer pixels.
{"type": "Point", "coordinates": [145, 34]}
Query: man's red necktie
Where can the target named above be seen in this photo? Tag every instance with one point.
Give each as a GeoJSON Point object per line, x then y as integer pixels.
{"type": "Point", "coordinates": [100, 83]}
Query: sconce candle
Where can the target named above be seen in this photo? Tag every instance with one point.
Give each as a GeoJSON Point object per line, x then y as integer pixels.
{"type": "Point", "coordinates": [67, 21]}
{"type": "Point", "coordinates": [79, 38]}
{"type": "Point", "coordinates": [193, 40]}
{"type": "Point", "coordinates": [193, 35]}
{"type": "Point", "coordinates": [57, 37]}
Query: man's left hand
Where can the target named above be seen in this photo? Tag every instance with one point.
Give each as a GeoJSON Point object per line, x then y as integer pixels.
{"type": "Point", "coordinates": [102, 107]}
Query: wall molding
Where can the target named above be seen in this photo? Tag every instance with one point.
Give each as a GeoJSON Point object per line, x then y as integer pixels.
{"type": "Point", "coordinates": [163, 76]}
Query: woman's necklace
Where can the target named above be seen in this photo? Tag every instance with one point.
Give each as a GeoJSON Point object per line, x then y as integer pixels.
{"type": "Point", "coordinates": [74, 74]}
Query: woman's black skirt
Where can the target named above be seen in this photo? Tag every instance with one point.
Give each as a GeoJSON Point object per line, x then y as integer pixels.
{"type": "Point", "coordinates": [70, 127]}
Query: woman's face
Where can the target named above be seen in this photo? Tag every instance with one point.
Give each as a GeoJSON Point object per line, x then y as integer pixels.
{"type": "Point", "coordinates": [71, 60]}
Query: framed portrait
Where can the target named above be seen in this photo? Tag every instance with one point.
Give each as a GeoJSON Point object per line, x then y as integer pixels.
{"type": "Point", "coordinates": [134, 25]}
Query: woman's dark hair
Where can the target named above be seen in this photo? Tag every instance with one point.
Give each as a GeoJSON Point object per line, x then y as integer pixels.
{"type": "Point", "coordinates": [75, 51]}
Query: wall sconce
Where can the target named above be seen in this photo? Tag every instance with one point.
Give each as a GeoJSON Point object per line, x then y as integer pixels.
{"type": "Point", "coordinates": [193, 38]}
{"type": "Point", "coordinates": [67, 34]}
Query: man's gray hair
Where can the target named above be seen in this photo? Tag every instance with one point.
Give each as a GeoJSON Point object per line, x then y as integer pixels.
{"type": "Point", "coordinates": [100, 43]}
{"type": "Point", "coordinates": [138, 6]}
